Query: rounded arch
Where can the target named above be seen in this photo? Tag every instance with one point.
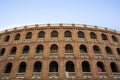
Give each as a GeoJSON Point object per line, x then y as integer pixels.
{"type": "Point", "coordinates": [67, 34]}
{"type": "Point", "coordinates": [108, 50]}
{"type": "Point", "coordinates": [86, 66]}
{"type": "Point", "coordinates": [100, 66]}
{"type": "Point", "coordinates": [114, 67]}
{"type": "Point", "coordinates": [13, 50]}
{"type": "Point", "coordinates": [37, 66]}
{"type": "Point", "coordinates": [81, 34]}
{"type": "Point", "coordinates": [41, 34]}
{"type": "Point", "coordinates": [114, 38]}
{"type": "Point", "coordinates": [68, 48]}
{"type": "Point", "coordinates": [54, 33]}
{"type": "Point", "coordinates": [118, 51]}
{"type": "Point", "coordinates": [8, 67]}
{"type": "Point", "coordinates": [17, 36]}
{"type": "Point", "coordinates": [104, 37]}
{"type": "Point", "coordinates": [96, 49]}
{"type": "Point", "coordinates": [70, 67]}
{"type": "Point", "coordinates": [93, 35]}
{"type": "Point", "coordinates": [7, 38]}
{"type": "Point", "coordinates": [28, 35]}
{"type": "Point", "coordinates": [25, 49]}
{"type": "Point", "coordinates": [53, 48]}
{"type": "Point", "coordinates": [39, 48]}
{"type": "Point", "coordinates": [83, 48]}
{"type": "Point", "coordinates": [2, 51]}
{"type": "Point", "coordinates": [53, 66]}
{"type": "Point", "coordinates": [22, 67]}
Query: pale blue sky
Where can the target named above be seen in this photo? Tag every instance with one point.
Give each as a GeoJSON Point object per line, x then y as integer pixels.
{"type": "Point", "coordinates": [105, 13]}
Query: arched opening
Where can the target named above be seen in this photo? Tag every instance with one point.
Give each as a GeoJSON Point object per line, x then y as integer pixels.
{"type": "Point", "coordinates": [41, 34]}
{"type": "Point", "coordinates": [8, 68]}
{"type": "Point", "coordinates": [108, 50]}
{"type": "Point", "coordinates": [28, 35]}
{"type": "Point", "coordinates": [54, 48]}
{"type": "Point", "coordinates": [13, 50]}
{"type": "Point", "coordinates": [81, 34]}
{"type": "Point", "coordinates": [70, 66]}
{"type": "Point", "coordinates": [83, 49]}
{"type": "Point", "coordinates": [17, 36]}
{"type": "Point", "coordinates": [96, 49]}
{"type": "Point", "coordinates": [100, 67]}
{"type": "Point", "coordinates": [93, 35]}
{"type": "Point", "coordinates": [54, 34]}
{"type": "Point", "coordinates": [7, 38]}
{"type": "Point", "coordinates": [86, 66]}
{"type": "Point", "coordinates": [104, 37]}
{"type": "Point", "coordinates": [114, 67]}
{"type": "Point", "coordinates": [2, 51]}
{"type": "Point", "coordinates": [68, 48]}
{"type": "Point", "coordinates": [25, 49]}
{"type": "Point", "coordinates": [37, 66]}
{"type": "Point", "coordinates": [53, 66]}
{"type": "Point", "coordinates": [39, 49]}
{"type": "Point", "coordinates": [22, 67]}
{"type": "Point", "coordinates": [114, 38]}
{"type": "Point", "coordinates": [118, 51]}
{"type": "Point", "coordinates": [67, 34]}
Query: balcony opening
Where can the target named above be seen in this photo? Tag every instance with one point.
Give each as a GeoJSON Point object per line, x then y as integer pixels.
{"type": "Point", "coordinates": [28, 35]}
{"type": "Point", "coordinates": [37, 66]}
{"type": "Point", "coordinates": [93, 35]}
{"type": "Point", "coordinates": [54, 34]}
{"type": "Point", "coordinates": [53, 67]}
{"type": "Point", "coordinates": [7, 38]}
{"type": "Point", "coordinates": [83, 49]}
{"type": "Point", "coordinates": [13, 50]}
{"type": "Point", "coordinates": [70, 66]}
{"type": "Point", "coordinates": [8, 68]}
{"type": "Point", "coordinates": [114, 38]}
{"type": "Point", "coordinates": [108, 50]}
{"type": "Point", "coordinates": [81, 34]}
{"type": "Point", "coordinates": [54, 48]}
{"type": "Point", "coordinates": [86, 66]}
{"type": "Point", "coordinates": [67, 34]}
{"type": "Point", "coordinates": [104, 37]}
{"type": "Point", "coordinates": [100, 67]}
{"type": "Point", "coordinates": [39, 49]}
{"type": "Point", "coordinates": [96, 49]}
{"type": "Point", "coordinates": [41, 34]}
{"type": "Point", "coordinates": [17, 36]}
{"type": "Point", "coordinates": [25, 49]}
{"type": "Point", "coordinates": [118, 51]}
{"type": "Point", "coordinates": [22, 67]}
{"type": "Point", "coordinates": [114, 67]}
{"type": "Point", "coordinates": [2, 51]}
{"type": "Point", "coordinates": [68, 48]}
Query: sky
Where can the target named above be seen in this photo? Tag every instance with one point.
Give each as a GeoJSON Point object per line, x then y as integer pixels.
{"type": "Point", "coordinates": [16, 13]}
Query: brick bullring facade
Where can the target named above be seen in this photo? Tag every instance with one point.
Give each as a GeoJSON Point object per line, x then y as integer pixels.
{"type": "Point", "coordinates": [59, 52]}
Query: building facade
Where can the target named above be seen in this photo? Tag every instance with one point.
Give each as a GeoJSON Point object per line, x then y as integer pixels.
{"type": "Point", "coordinates": [59, 52]}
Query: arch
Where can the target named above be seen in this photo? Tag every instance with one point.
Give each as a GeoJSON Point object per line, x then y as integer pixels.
{"type": "Point", "coordinates": [81, 34]}
{"type": "Point", "coordinates": [86, 66]}
{"type": "Point", "coordinates": [2, 51]}
{"type": "Point", "coordinates": [17, 37]}
{"type": "Point", "coordinates": [13, 50]}
{"type": "Point", "coordinates": [25, 49]}
{"type": "Point", "coordinates": [54, 34]}
{"type": "Point", "coordinates": [41, 34]}
{"type": "Point", "coordinates": [37, 66]}
{"type": "Point", "coordinates": [40, 48]}
{"type": "Point", "coordinates": [8, 67]}
{"type": "Point", "coordinates": [108, 50]}
{"type": "Point", "coordinates": [68, 48]}
{"type": "Point", "coordinates": [54, 48]}
{"type": "Point", "coordinates": [114, 38]}
{"type": "Point", "coordinates": [83, 49]}
{"type": "Point", "coordinates": [22, 67]}
{"type": "Point", "coordinates": [67, 34]}
{"type": "Point", "coordinates": [118, 51]}
{"type": "Point", "coordinates": [28, 35]}
{"type": "Point", "coordinates": [70, 66]}
{"type": "Point", "coordinates": [7, 38]}
{"type": "Point", "coordinates": [53, 66]}
{"type": "Point", "coordinates": [104, 37]}
{"type": "Point", "coordinates": [96, 49]}
{"type": "Point", "coordinates": [93, 35]}
{"type": "Point", "coordinates": [100, 66]}
{"type": "Point", "coordinates": [114, 67]}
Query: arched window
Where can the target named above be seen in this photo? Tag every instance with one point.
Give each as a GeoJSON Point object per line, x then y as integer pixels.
{"type": "Point", "coordinates": [93, 35]}
{"type": "Point", "coordinates": [108, 50]}
{"type": "Point", "coordinates": [41, 34]}
{"type": "Point", "coordinates": [54, 48]}
{"type": "Point", "coordinates": [118, 51]}
{"type": "Point", "coordinates": [68, 48]}
{"type": "Point", "coordinates": [8, 68]}
{"type": "Point", "coordinates": [86, 66]}
{"type": "Point", "coordinates": [54, 34]}
{"type": "Point", "coordinates": [37, 66]}
{"type": "Point", "coordinates": [67, 34]}
{"type": "Point", "coordinates": [70, 66]}
{"type": "Point", "coordinates": [83, 49]}
{"type": "Point", "coordinates": [2, 51]}
{"type": "Point", "coordinates": [53, 66]}
{"type": "Point", "coordinates": [13, 50]}
{"type": "Point", "coordinates": [100, 67]}
{"type": "Point", "coordinates": [22, 67]}
{"type": "Point", "coordinates": [114, 67]}
{"type": "Point", "coordinates": [114, 38]}
{"type": "Point", "coordinates": [104, 37]}
{"type": "Point", "coordinates": [28, 35]}
{"type": "Point", "coordinates": [96, 49]}
{"type": "Point", "coordinates": [39, 49]}
{"type": "Point", "coordinates": [81, 34]}
{"type": "Point", "coordinates": [17, 36]}
{"type": "Point", "coordinates": [25, 49]}
{"type": "Point", "coordinates": [7, 38]}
